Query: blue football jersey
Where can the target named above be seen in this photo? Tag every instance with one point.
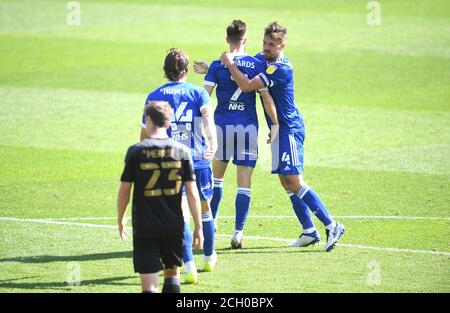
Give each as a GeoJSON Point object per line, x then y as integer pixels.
{"type": "Point", "coordinates": [187, 102]}
{"type": "Point", "coordinates": [279, 77]}
{"type": "Point", "coordinates": [234, 107]}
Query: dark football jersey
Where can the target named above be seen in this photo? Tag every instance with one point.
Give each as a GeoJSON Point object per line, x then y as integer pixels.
{"type": "Point", "coordinates": [158, 168]}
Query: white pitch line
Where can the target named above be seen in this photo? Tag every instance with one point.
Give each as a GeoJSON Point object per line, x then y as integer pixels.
{"type": "Point", "coordinates": [55, 222]}
{"type": "Point", "coordinates": [79, 218]}
{"type": "Point", "coordinates": [227, 236]}
{"type": "Point", "coordinates": [393, 217]}
{"type": "Point", "coordinates": [346, 245]}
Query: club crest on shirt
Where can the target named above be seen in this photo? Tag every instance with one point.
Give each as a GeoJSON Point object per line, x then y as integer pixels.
{"type": "Point", "coordinates": [271, 69]}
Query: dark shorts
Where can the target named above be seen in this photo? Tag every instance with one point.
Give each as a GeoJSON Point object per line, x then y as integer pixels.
{"type": "Point", "coordinates": [154, 254]}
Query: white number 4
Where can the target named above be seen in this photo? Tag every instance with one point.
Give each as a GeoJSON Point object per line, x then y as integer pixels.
{"type": "Point", "coordinates": [179, 117]}
{"type": "Point", "coordinates": [286, 158]}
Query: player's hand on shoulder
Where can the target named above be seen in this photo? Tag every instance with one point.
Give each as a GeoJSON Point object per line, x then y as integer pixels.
{"type": "Point", "coordinates": [200, 67]}
{"type": "Point", "coordinates": [227, 58]}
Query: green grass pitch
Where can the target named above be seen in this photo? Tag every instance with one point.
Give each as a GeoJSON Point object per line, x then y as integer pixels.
{"type": "Point", "coordinates": [376, 103]}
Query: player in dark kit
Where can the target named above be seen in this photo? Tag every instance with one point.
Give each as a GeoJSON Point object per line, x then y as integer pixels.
{"type": "Point", "coordinates": [158, 166]}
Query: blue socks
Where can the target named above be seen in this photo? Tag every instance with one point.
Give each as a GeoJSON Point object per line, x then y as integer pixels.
{"type": "Point", "coordinates": [208, 233]}
{"type": "Point", "coordinates": [302, 212]}
{"type": "Point", "coordinates": [312, 199]}
{"type": "Point", "coordinates": [242, 207]}
{"type": "Point", "coordinates": [188, 256]}
{"type": "Point", "coordinates": [217, 196]}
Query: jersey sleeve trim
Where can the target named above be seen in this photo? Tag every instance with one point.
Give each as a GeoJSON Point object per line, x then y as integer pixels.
{"type": "Point", "coordinates": [210, 83]}
{"type": "Point", "coordinates": [204, 106]}
{"type": "Point", "coordinates": [264, 79]}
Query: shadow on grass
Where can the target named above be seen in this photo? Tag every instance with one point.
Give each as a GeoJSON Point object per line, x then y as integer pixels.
{"type": "Point", "coordinates": [114, 281]}
{"type": "Point", "coordinates": [70, 258]}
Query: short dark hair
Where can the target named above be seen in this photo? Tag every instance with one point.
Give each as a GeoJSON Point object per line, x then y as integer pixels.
{"type": "Point", "coordinates": [159, 112]}
{"type": "Point", "coordinates": [175, 63]}
{"type": "Point", "coordinates": [236, 30]}
{"type": "Point", "coordinates": [276, 32]}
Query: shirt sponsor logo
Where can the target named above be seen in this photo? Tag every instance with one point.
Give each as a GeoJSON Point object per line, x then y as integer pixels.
{"type": "Point", "coordinates": [271, 69]}
{"type": "Point", "coordinates": [236, 107]}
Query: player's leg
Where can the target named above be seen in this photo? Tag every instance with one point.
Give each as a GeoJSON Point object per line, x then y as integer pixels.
{"type": "Point", "coordinates": [149, 282]}
{"type": "Point", "coordinates": [205, 190]}
{"type": "Point", "coordinates": [171, 280]}
{"type": "Point", "coordinates": [306, 194]}
{"type": "Point", "coordinates": [191, 276]}
{"type": "Point", "coordinates": [171, 255]}
{"type": "Point", "coordinates": [218, 167]}
{"type": "Point", "coordinates": [244, 157]}
{"type": "Point", "coordinates": [146, 262]}
{"type": "Point", "coordinates": [309, 234]}
{"type": "Point", "coordinates": [209, 255]}
{"type": "Point", "coordinates": [288, 161]}
{"type": "Point", "coordinates": [243, 197]}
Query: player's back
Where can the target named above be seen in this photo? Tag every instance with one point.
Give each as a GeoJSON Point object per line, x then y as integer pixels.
{"type": "Point", "coordinates": [233, 105]}
{"type": "Point", "coordinates": [158, 168]}
{"type": "Point", "coordinates": [186, 101]}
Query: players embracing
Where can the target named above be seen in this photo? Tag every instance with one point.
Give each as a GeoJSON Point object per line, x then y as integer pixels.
{"type": "Point", "coordinates": [237, 125]}
{"type": "Point", "coordinates": [287, 146]}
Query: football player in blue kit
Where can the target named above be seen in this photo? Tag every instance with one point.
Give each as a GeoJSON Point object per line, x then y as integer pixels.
{"type": "Point", "coordinates": [237, 125]}
{"type": "Point", "coordinates": [191, 110]}
{"type": "Point", "coordinates": [287, 147]}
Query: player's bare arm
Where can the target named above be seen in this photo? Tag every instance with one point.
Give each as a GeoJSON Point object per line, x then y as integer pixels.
{"type": "Point", "coordinates": [247, 85]}
{"type": "Point", "coordinates": [271, 110]}
{"type": "Point", "coordinates": [211, 133]}
{"type": "Point", "coordinates": [122, 202]}
{"type": "Point", "coordinates": [195, 207]}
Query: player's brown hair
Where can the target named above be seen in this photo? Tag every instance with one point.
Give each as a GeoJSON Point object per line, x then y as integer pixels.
{"type": "Point", "coordinates": [276, 32]}
{"type": "Point", "coordinates": [175, 64]}
{"type": "Point", "coordinates": [159, 112]}
{"type": "Point", "coordinates": [236, 30]}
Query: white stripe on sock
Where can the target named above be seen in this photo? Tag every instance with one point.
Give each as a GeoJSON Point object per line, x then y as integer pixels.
{"type": "Point", "coordinates": [244, 191]}
{"type": "Point", "coordinates": [309, 230]}
{"type": "Point", "coordinates": [301, 193]}
{"type": "Point", "coordinates": [218, 182]}
{"type": "Point", "coordinates": [206, 217]}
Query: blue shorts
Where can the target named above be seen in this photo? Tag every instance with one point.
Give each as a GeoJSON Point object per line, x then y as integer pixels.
{"type": "Point", "coordinates": [287, 154]}
{"type": "Point", "coordinates": [204, 183]}
{"type": "Point", "coordinates": [238, 142]}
